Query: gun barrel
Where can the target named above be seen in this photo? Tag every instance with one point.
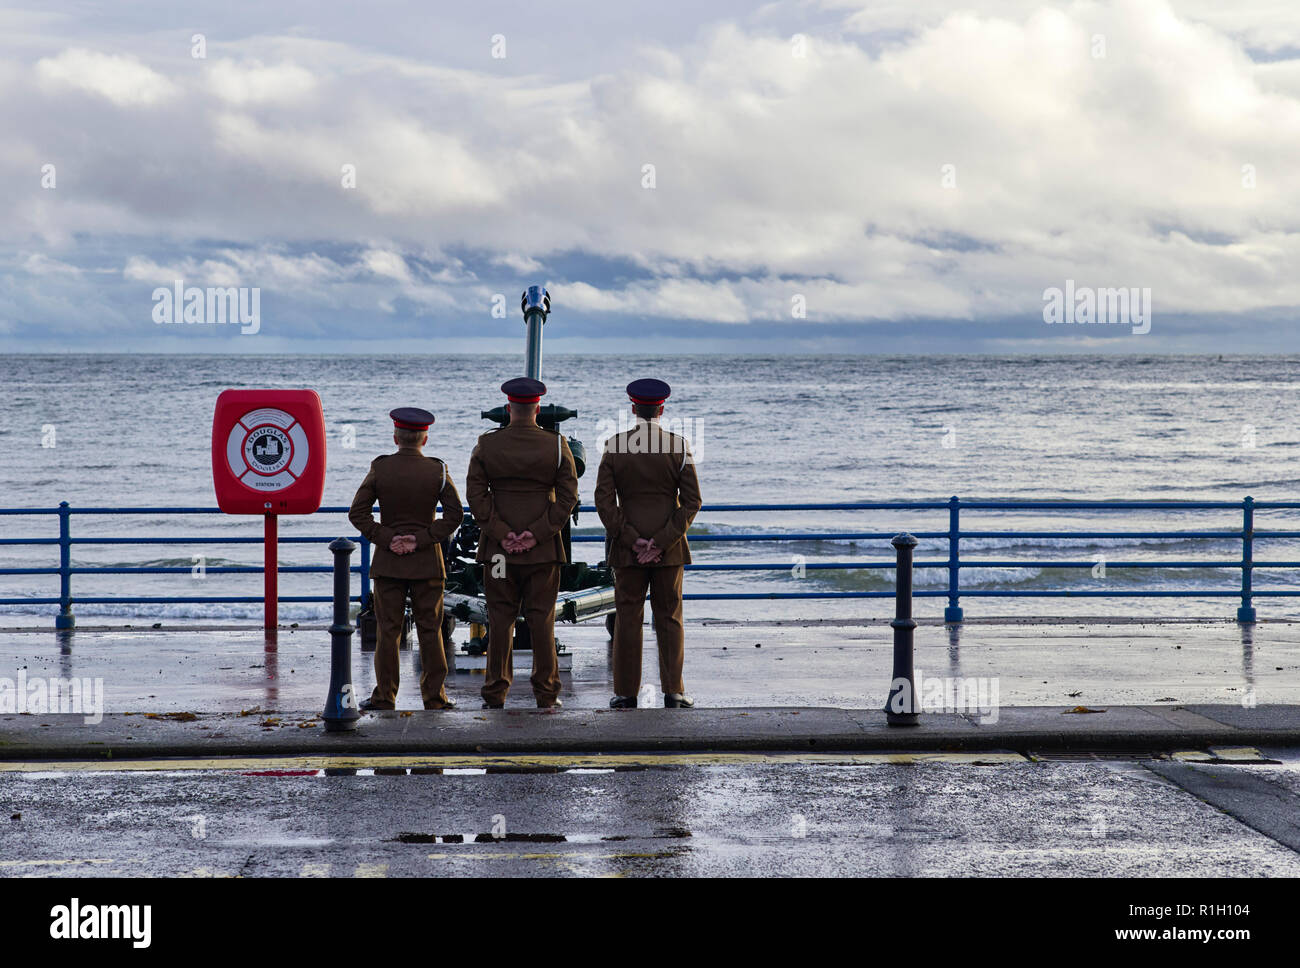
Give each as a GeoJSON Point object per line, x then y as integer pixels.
{"type": "Point", "coordinates": [571, 607]}
{"type": "Point", "coordinates": [533, 359]}
{"type": "Point", "coordinates": [467, 608]}
{"type": "Point", "coordinates": [536, 306]}
{"type": "Point", "coordinates": [589, 603]}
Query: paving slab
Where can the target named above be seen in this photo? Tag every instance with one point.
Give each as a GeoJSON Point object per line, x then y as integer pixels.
{"type": "Point", "coordinates": [1266, 717]}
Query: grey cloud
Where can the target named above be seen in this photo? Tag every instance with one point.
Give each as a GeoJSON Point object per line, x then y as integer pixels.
{"type": "Point", "coordinates": [775, 174]}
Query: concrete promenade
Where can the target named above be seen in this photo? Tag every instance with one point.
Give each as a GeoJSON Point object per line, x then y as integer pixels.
{"type": "Point", "coordinates": [210, 692]}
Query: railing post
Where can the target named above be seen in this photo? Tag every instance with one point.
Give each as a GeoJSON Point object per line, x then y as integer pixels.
{"type": "Point", "coordinates": [65, 619]}
{"type": "Point", "coordinates": [341, 712]}
{"type": "Point", "coordinates": [366, 614]}
{"type": "Point", "coordinates": [953, 612]}
{"type": "Point", "coordinates": [902, 707]}
{"type": "Point", "coordinates": [1246, 613]}
{"type": "Point", "coordinates": [270, 572]}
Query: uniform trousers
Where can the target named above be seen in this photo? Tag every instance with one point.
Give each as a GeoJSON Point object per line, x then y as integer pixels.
{"type": "Point", "coordinates": [390, 611]}
{"type": "Point", "coordinates": [665, 585]}
{"type": "Point", "coordinates": [529, 589]}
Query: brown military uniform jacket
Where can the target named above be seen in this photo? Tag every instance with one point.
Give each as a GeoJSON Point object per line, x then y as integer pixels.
{"type": "Point", "coordinates": [647, 488]}
{"type": "Point", "coordinates": [408, 487]}
{"type": "Point", "coordinates": [522, 478]}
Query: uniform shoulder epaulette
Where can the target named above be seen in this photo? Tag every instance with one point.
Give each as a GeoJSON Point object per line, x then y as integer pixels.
{"type": "Point", "coordinates": [379, 458]}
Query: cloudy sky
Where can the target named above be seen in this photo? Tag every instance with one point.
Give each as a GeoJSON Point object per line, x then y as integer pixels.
{"type": "Point", "coordinates": [830, 175]}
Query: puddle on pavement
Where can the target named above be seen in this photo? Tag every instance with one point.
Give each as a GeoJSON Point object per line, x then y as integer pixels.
{"type": "Point", "coordinates": [451, 770]}
{"type": "Point", "coordinates": [670, 833]}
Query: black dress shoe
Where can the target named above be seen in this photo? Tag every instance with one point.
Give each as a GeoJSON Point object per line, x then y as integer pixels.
{"type": "Point", "coordinates": [554, 705]}
{"type": "Point", "coordinates": [677, 700]}
{"type": "Point", "coordinates": [370, 706]}
{"type": "Point", "coordinates": [623, 702]}
{"type": "Point", "coordinates": [488, 705]}
{"type": "Point", "coordinates": [449, 704]}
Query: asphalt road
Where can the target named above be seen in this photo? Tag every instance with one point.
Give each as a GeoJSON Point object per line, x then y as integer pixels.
{"type": "Point", "coordinates": [741, 815]}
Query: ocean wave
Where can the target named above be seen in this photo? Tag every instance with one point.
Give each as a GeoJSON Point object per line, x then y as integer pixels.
{"type": "Point", "coordinates": [288, 612]}
{"type": "Point", "coordinates": [991, 579]}
{"type": "Point", "coordinates": [178, 562]}
{"type": "Point", "coordinates": [1078, 545]}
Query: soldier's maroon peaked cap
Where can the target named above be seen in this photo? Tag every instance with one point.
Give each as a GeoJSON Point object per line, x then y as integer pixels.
{"type": "Point", "coordinates": [411, 418]}
{"type": "Point", "coordinates": [648, 392]}
{"type": "Point", "coordinates": [523, 389]}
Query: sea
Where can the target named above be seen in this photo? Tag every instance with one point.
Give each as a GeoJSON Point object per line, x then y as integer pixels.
{"type": "Point", "coordinates": [134, 431]}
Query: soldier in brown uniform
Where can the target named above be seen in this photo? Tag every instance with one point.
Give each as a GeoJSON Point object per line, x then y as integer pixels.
{"type": "Point", "coordinates": [522, 486]}
{"type": "Point", "coordinates": [408, 554]}
{"type": "Point", "coordinates": [647, 495]}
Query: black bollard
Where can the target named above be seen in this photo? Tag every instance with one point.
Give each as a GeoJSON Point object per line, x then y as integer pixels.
{"type": "Point", "coordinates": [903, 707]}
{"type": "Point", "coordinates": [341, 712]}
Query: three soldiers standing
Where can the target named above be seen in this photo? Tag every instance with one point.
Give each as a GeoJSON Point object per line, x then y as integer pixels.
{"type": "Point", "coordinates": [522, 485]}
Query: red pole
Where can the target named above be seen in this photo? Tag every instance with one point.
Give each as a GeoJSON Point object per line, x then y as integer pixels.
{"type": "Point", "coordinates": [270, 571]}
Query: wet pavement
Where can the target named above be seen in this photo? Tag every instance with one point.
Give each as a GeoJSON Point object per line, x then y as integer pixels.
{"type": "Point", "coordinates": [698, 792]}
{"type": "Point", "coordinates": [727, 665]}
{"type": "Point", "coordinates": [795, 816]}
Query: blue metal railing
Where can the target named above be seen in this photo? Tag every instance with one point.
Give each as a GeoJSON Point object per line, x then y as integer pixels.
{"type": "Point", "coordinates": [952, 536]}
